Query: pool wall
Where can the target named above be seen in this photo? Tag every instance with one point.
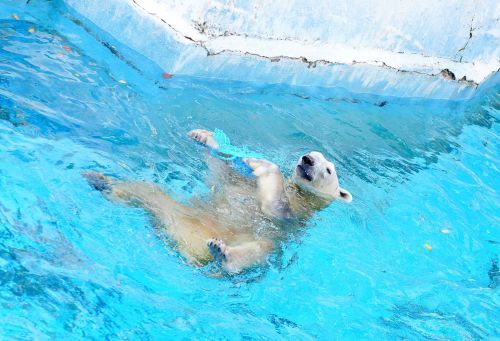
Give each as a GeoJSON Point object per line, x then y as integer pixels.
{"type": "Point", "coordinates": [382, 48]}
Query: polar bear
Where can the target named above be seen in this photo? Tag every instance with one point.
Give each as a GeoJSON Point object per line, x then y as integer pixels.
{"type": "Point", "coordinates": [243, 217]}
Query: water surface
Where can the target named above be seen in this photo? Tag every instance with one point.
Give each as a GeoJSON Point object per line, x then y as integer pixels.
{"type": "Point", "coordinates": [73, 263]}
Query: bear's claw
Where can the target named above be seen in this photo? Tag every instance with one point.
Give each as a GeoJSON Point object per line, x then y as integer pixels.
{"type": "Point", "coordinates": [205, 137]}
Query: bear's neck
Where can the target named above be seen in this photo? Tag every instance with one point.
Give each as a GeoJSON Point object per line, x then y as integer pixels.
{"type": "Point", "coordinates": [304, 203]}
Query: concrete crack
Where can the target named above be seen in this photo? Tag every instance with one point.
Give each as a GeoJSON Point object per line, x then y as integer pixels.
{"type": "Point", "coordinates": [471, 29]}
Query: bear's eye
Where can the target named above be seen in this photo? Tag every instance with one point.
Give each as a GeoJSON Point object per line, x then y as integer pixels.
{"type": "Point", "coordinates": [329, 171]}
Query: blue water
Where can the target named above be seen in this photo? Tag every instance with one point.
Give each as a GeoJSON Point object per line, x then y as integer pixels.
{"type": "Point", "coordinates": [73, 264]}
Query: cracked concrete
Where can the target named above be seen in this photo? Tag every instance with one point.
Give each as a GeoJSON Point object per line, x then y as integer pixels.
{"type": "Point", "coordinates": [216, 41]}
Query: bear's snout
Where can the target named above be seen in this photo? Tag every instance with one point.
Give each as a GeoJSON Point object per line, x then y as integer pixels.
{"type": "Point", "coordinates": [307, 160]}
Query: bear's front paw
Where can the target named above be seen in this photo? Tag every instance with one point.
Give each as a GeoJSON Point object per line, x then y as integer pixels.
{"type": "Point", "coordinates": [261, 167]}
{"type": "Point", "coordinates": [205, 137]}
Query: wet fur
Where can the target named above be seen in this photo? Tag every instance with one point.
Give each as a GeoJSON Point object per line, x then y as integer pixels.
{"type": "Point", "coordinates": [241, 220]}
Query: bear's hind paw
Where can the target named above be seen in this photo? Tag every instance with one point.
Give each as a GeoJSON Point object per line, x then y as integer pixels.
{"type": "Point", "coordinates": [218, 249]}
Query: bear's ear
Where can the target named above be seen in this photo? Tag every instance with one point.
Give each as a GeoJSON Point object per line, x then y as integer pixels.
{"type": "Point", "coordinates": [345, 195]}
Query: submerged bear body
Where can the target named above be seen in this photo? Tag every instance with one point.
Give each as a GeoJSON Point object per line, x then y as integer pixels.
{"type": "Point", "coordinates": [243, 218]}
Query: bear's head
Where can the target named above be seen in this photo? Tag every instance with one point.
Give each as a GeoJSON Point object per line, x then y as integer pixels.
{"type": "Point", "coordinates": [316, 174]}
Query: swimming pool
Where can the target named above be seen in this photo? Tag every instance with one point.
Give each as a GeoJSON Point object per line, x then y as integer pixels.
{"type": "Point", "coordinates": [414, 256]}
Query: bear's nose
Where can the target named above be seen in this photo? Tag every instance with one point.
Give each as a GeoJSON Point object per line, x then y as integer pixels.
{"type": "Point", "coordinates": [307, 160]}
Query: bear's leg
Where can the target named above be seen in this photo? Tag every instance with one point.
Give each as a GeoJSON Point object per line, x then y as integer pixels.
{"type": "Point", "coordinates": [188, 227]}
{"type": "Point", "coordinates": [221, 173]}
{"type": "Point", "coordinates": [238, 257]}
{"type": "Point", "coordinates": [134, 193]}
{"type": "Point", "coordinates": [270, 188]}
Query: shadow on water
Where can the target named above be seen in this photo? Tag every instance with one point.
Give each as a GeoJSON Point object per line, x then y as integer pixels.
{"type": "Point", "coordinates": [414, 321]}
{"type": "Point", "coordinates": [28, 286]}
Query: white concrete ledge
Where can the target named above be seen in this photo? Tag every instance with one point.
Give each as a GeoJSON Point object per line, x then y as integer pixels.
{"type": "Point", "coordinates": [165, 32]}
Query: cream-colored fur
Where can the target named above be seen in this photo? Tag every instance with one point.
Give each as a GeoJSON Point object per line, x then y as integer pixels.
{"type": "Point", "coordinates": [243, 218]}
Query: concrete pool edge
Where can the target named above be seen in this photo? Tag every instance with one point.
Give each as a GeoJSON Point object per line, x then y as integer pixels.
{"type": "Point", "coordinates": [129, 22]}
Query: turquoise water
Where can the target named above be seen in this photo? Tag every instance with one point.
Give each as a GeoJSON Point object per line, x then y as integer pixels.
{"type": "Point", "coordinates": [75, 264]}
